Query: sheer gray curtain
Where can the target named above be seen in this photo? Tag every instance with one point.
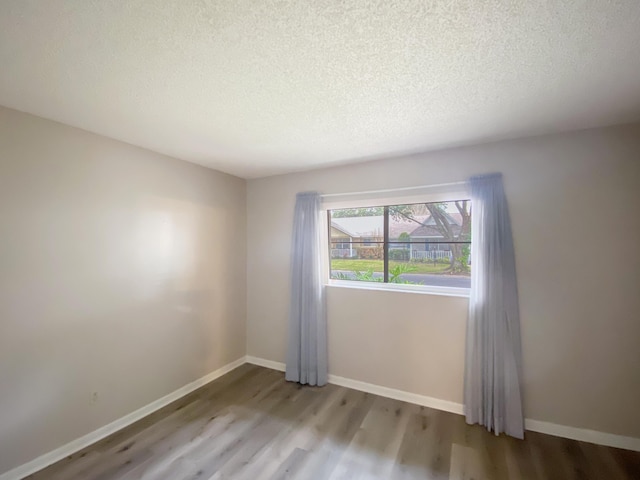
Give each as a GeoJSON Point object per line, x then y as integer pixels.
{"type": "Point", "coordinates": [307, 347]}
{"type": "Point", "coordinates": [492, 388]}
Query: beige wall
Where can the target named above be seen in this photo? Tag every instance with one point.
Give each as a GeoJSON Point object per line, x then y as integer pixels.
{"type": "Point", "coordinates": [575, 205]}
{"type": "Point", "coordinates": [122, 272]}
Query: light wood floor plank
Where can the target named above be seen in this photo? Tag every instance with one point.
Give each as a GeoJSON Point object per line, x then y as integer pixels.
{"type": "Point", "coordinates": [251, 424]}
{"type": "Point", "coordinates": [373, 450]}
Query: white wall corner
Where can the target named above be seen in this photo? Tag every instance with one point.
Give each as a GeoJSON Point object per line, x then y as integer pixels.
{"type": "Point", "coordinates": [263, 362]}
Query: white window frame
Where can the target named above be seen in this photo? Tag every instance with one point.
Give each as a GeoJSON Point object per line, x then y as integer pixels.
{"type": "Point", "coordinates": [425, 194]}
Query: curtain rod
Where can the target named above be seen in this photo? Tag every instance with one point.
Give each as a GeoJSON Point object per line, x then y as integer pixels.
{"type": "Point", "coordinates": [392, 190]}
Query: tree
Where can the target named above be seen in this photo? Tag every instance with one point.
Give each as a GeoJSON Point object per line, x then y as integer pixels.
{"type": "Point", "coordinates": [459, 260]}
{"type": "Point", "coordinates": [357, 212]}
{"type": "Point", "coordinates": [403, 251]}
{"type": "Point", "coordinates": [437, 211]}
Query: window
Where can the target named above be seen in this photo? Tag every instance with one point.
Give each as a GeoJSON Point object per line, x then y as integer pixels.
{"type": "Point", "coordinates": [426, 244]}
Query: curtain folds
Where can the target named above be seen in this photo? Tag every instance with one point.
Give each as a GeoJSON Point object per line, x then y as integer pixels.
{"type": "Point", "coordinates": [493, 366]}
{"type": "Point", "coordinates": [307, 344]}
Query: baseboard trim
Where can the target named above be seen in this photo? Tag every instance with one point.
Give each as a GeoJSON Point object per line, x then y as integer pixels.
{"type": "Point", "coordinates": [401, 395]}
{"type": "Point", "coordinates": [395, 394]}
{"type": "Point", "coordinates": [581, 434]}
{"type": "Point", "coordinates": [263, 362]}
{"type": "Point", "coordinates": [43, 461]}
{"type": "Point", "coordinates": [78, 444]}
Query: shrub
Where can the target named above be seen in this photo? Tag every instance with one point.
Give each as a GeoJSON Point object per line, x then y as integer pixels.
{"type": "Point", "coordinates": [340, 276]}
{"type": "Point", "coordinates": [367, 277]}
{"type": "Point", "coordinates": [400, 254]}
{"type": "Point", "coordinates": [395, 272]}
{"type": "Point", "coordinates": [370, 253]}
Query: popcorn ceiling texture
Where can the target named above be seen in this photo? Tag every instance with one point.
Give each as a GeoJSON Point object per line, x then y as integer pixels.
{"type": "Point", "coordinates": [256, 88]}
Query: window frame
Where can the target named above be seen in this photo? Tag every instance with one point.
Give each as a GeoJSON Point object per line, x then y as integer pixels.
{"type": "Point", "coordinates": [385, 285]}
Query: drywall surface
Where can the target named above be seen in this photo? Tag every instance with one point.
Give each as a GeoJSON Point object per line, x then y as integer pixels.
{"type": "Point", "coordinates": [575, 203]}
{"type": "Point", "coordinates": [262, 87]}
{"type": "Point", "coordinates": [122, 278]}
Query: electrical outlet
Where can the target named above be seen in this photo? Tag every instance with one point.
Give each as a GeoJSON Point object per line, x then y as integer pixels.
{"type": "Point", "coordinates": [94, 398]}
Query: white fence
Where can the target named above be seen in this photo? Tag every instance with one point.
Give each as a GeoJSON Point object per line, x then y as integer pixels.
{"type": "Point", "coordinates": [415, 254]}
{"type": "Point", "coordinates": [430, 255]}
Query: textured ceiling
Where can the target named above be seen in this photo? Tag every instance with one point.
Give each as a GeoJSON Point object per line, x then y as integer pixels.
{"type": "Point", "coordinates": [256, 88]}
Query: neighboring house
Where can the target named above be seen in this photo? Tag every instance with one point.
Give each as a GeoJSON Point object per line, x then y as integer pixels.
{"type": "Point", "coordinates": [349, 233]}
{"type": "Point", "coordinates": [429, 231]}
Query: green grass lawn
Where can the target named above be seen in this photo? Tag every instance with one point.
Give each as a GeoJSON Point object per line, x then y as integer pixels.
{"type": "Point", "coordinates": [360, 265]}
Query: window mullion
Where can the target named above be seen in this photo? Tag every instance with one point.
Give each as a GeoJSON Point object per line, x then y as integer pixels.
{"type": "Point", "coordinates": [329, 242]}
{"type": "Point", "coordinates": [386, 244]}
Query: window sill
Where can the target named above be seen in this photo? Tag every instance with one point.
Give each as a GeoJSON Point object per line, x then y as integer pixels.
{"type": "Point", "coordinates": [391, 287]}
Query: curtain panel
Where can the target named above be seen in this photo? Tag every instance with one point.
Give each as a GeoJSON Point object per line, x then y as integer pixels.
{"type": "Point", "coordinates": [307, 343]}
{"type": "Point", "coordinates": [492, 384]}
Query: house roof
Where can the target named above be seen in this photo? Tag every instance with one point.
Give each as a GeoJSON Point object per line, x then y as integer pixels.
{"type": "Point", "coordinates": [429, 228]}
{"type": "Point", "coordinates": [420, 226]}
{"type": "Point", "coordinates": [397, 227]}
{"type": "Point", "coordinates": [360, 226]}
{"type": "Point", "coordinates": [373, 226]}
{"type": "Point", "coordinates": [431, 231]}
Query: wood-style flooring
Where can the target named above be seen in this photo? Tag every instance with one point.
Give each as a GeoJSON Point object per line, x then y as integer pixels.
{"type": "Point", "coordinates": [251, 424]}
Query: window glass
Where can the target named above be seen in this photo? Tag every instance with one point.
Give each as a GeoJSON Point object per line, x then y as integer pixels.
{"type": "Point", "coordinates": [418, 244]}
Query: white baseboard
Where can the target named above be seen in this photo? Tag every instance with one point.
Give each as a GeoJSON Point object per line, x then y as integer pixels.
{"type": "Point", "coordinates": [581, 434]}
{"type": "Point", "coordinates": [401, 395]}
{"type": "Point", "coordinates": [591, 436]}
{"type": "Point", "coordinates": [102, 432]}
{"type": "Point", "coordinates": [263, 362]}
